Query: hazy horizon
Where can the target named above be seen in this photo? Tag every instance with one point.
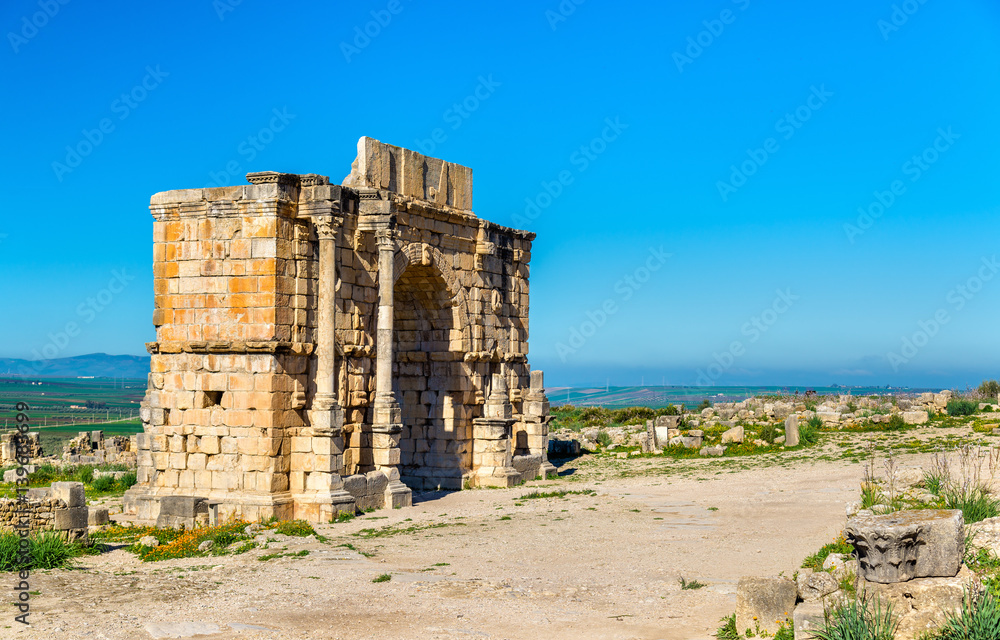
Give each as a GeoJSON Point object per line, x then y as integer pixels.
{"type": "Point", "coordinates": [735, 191]}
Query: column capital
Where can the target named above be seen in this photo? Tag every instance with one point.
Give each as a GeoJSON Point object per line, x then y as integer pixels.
{"type": "Point", "coordinates": [386, 237]}
{"type": "Point", "coordinates": [327, 227]}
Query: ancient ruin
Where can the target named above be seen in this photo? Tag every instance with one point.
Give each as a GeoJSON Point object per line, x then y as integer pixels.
{"type": "Point", "coordinates": [322, 347]}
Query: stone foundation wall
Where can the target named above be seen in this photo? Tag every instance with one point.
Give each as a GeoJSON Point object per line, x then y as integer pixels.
{"type": "Point", "coordinates": [31, 447]}
{"type": "Point", "coordinates": [61, 508]}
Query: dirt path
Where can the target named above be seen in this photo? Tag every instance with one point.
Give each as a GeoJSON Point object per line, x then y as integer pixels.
{"type": "Point", "coordinates": [479, 564]}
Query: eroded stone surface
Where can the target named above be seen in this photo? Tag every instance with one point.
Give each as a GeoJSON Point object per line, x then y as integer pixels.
{"type": "Point", "coordinates": [766, 602]}
{"type": "Point", "coordinates": [308, 332]}
{"type": "Point", "coordinates": [899, 546]}
{"type": "Point", "coordinates": [922, 604]}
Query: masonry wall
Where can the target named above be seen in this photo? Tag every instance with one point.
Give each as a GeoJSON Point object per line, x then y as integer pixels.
{"type": "Point", "coordinates": [233, 373]}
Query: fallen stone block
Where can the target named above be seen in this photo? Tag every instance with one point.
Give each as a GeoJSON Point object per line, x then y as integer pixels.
{"type": "Point", "coordinates": [70, 518]}
{"type": "Point", "coordinates": [900, 546]}
{"type": "Point", "coordinates": [807, 618]}
{"type": "Point", "coordinates": [97, 516]}
{"type": "Point", "coordinates": [915, 417]}
{"type": "Point", "coordinates": [792, 431]}
{"type": "Point", "coordinates": [922, 604]}
{"type": "Point", "coordinates": [767, 602]}
{"type": "Point", "coordinates": [813, 585]}
{"type": "Point", "coordinates": [735, 435]}
{"type": "Point", "coordinates": [72, 493]}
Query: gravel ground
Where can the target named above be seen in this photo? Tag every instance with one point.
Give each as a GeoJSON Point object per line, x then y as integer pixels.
{"type": "Point", "coordinates": [482, 563]}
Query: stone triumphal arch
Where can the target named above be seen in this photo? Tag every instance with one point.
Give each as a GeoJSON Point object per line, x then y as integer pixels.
{"type": "Point", "coordinates": [323, 347]}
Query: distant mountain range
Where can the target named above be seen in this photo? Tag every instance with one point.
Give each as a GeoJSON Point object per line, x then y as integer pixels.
{"type": "Point", "coordinates": [98, 365]}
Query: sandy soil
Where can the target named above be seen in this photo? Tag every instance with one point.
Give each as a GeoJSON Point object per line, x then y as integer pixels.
{"type": "Point", "coordinates": [580, 567]}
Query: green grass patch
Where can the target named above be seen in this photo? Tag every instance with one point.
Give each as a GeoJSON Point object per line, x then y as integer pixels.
{"type": "Point", "coordinates": [815, 561]}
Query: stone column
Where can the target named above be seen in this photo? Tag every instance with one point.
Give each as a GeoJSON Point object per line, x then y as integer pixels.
{"type": "Point", "coordinates": [536, 420]}
{"type": "Point", "coordinates": [387, 421]}
{"type": "Point", "coordinates": [328, 415]}
{"type": "Point", "coordinates": [320, 450]}
{"type": "Point", "coordinates": [492, 454]}
{"type": "Point", "coordinates": [388, 416]}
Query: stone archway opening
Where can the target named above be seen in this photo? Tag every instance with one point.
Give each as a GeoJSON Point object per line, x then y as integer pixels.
{"type": "Point", "coordinates": [435, 447]}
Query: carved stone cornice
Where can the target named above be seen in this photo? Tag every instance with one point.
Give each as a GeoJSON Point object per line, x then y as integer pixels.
{"type": "Point", "coordinates": [273, 177]}
{"type": "Point", "coordinates": [217, 346]}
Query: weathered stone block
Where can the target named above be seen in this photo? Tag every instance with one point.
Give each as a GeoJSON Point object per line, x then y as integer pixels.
{"type": "Point", "coordinates": [72, 493]}
{"type": "Point", "coordinates": [792, 431]}
{"type": "Point", "coordinates": [767, 602]}
{"type": "Point", "coordinates": [734, 435]}
{"type": "Point", "coordinates": [813, 585]}
{"type": "Point", "coordinates": [915, 417]}
{"type": "Point", "coordinates": [70, 518]}
{"type": "Point", "coordinates": [97, 516]}
{"type": "Point", "coordinates": [899, 546]}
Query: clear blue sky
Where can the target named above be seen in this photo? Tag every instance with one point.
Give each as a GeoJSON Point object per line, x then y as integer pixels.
{"type": "Point", "coordinates": [866, 92]}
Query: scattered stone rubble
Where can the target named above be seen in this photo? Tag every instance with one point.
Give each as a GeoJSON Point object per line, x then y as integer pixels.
{"type": "Point", "coordinates": [912, 559]}
{"type": "Point", "coordinates": [743, 418]}
{"type": "Point", "coordinates": [91, 447]}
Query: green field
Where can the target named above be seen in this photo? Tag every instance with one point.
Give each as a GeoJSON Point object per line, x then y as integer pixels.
{"type": "Point", "coordinates": [59, 408]}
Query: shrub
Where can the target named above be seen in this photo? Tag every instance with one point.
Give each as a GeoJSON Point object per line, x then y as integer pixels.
{"type": "Point", "coordinates": [8, 552]}
{"type": "Point", "coordinates": [978, 619]}
{"type": "Point", "coordinates": [102, 484]}
{"type": "Point", "coordinates": [383, 577]}
{"type": "Point", "coordinates": [46, 551]}
{"type": "Point", "coordinates": [603, 438]}
{"type": "Point", "coordinates": [768, 433]}
{"type": "Point", "coordinates": [127, 480]}
{"type": "Point", "coordinates": [295, 528]}
{"type": "Point", "coordinates": [974, 501]}
{"type": "Point", "coordinates": [728, 629]}
{"type": "Point", "coordinates": [809, 431]}
{"type": "Point", "coordinates": [85, 474]}
{"type": "Point", "coordinates": [50, 551]}
{"type": "Point", "coordinates": [958, 407]}
{"type": "Point", "coordinates": [705, 404]}
{"type": "Point", "coordinates": [896, 423]}
{"type": "Point", "coordinates": [815, 561]}
{"type": "Point", "coordinates": [861, 619]}
{"type": "Point", "coordinates": [989, 388]}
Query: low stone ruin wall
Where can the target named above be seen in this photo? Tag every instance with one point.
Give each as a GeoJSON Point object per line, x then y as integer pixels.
{"type": "Point", "coordinates": [31, 447]}
{"type": "Point", "coordinates": [61, 508]}
{"type": "Point", "coordinates": [91, 447]}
